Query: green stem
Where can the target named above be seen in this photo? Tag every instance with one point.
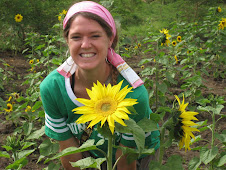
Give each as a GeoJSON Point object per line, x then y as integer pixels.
{"type": "Point", "coordinates": [162, 139]}
{"type": "Point", "coordinates": [213, 129]}
{"type": "Point", "coordinates": [156, 79]}
{"type": "Point", "coordinates": [213, 137]}
{"type": "Point", "coordinates": [109, 154]}
{"type": "Point", "coordinates": [162, 148]}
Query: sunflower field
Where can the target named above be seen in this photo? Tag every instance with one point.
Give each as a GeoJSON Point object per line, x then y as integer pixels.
{"type": "Point", "coordinates": [177, 47]}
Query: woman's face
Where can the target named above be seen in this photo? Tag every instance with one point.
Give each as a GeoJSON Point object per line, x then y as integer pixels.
{"type": "Point", "coordinates": [88, 43]}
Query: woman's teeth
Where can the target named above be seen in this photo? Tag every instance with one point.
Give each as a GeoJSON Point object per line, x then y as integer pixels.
{"type": "Point", "coordinates": [87, 55]}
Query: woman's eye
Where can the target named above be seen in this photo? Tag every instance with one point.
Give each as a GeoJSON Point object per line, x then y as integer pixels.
{"type": "Point", "coordinates": [75, 37]}
{"type": "Point", "coordinates": [96, 36]}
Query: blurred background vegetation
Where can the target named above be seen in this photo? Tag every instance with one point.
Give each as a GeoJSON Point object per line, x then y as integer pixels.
{"type": "Point", "coordinates": [134, 17]}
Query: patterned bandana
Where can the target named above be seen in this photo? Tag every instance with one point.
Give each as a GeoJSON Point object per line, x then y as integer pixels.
{"type": "Point", "coordinates": [69, 67]}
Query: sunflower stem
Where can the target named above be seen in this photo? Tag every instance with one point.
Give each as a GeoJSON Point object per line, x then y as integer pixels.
{"type": "Point", "coordinates": [162, 148]}
{"type": "Point", "coordinates": [156, 79]}
{"type": "Point", "coordinates": [162, 138]}
{"type": "Point", "coordinates": [109, 154]}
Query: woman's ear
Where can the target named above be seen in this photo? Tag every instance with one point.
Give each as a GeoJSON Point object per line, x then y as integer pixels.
{"type": "Point", "coordinates": [111, 41]}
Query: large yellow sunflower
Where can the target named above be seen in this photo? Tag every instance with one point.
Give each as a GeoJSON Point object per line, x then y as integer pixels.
{"type": "Point", "coordinates": [18, 18]}
{"type": "Point", "coordinates": [9, 107]}
{"type": "Point", "coordinates": [106, 103]}
{"type": "Point", "coordinates": [183, 127]}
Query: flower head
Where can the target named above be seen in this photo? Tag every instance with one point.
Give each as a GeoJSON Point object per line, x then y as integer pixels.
{"type": "Point", "coordinates": [164, 31]}
{"type": "Point", "coordinates": [106, 103]}
{"type": "Point", "coordinates": [219, 9]}
{"type": "Point", "coordinates": [59, 18]}
{"type": "Point", "coordinates": [10, 97]}
{"type": "Point", "coordinates": [179, 38]}
{"type": "Point", "coordinates": [176, 59]}
{"type": "Point", "coordinates": [183, 127]}
{"type": "Point", "coordinates": [165, 40]}
{"type": "Point", "coordinates": [174, 43]}
{"type": "Point", "coordinates": [64, 12]}
{"type": "Point", "coordinates": [28, 108]}
{"type": "Point", "coordinates": [31, 61]}
{"type": "Point", "coordinates": [222, 24]}
{"type": "Point", "coordinates": [9, 107]}
{"type": "Point", "coordinates": [18, 18]}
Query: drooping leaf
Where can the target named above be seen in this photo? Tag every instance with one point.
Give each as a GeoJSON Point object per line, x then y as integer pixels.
{"type": "Point", "coordinates": [4, 154]}
{"type": "Point", "coordinates": [222, 161]}
{"type": "Point", "coordinates": [25, 153]}
{"type": "Point", "coordinates": [148, 125]}
{"type": "Point", "coordinates": [89, 163]}
{"type": "Point", "coordinates": [20, 162]}
{"type": "Point", "coordinates": [88, 145]}
{"type": "Point", "coordinates": [194, 163]}
{"type": "Point", "coordinates": [138, 133]}
{"type": "Point", "coordinates": [37, 134]}
{"type": "Point", "coordinates": [47, 148]}
{"type": "Point", "coordinates": [207, 155]}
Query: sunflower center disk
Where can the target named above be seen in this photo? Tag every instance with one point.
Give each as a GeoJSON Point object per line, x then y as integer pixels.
{"type": "Point", "coordinates": [106, 106]}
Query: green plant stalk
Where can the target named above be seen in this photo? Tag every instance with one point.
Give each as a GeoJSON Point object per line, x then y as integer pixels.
{"type": "Point", "coordinates": [109, 154]}
{"type": "Point", "coordinates": [156, 79]}
{"type": "Point", "coordinates": [162, 139]}
{"type": "Point", "coordinates": [161, 148]}
{"type": "Point", "coordinates": [213, 136]}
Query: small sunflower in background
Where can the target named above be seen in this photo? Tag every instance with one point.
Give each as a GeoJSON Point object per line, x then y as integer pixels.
{"type": "Point", "coordinates": [142, 67]}
{"type": "Point", "coordinates": [64, 12]}
{"type": "Point", "coordinates": [9, 107]}
{"type": "Point", "coordinates": [222, 24]}
{"type": "Point", "coordinates": [174, 43]}
{"type": "Point", "coordinates": [28, 108]}
{"type": "Point", "coordinates": [176, 59]}
{"type": "Point", "coordinates": [31, 61]}
{"type": "Point", "coordinates": [59, 18]}
{"type": "Point", "coordinates": [165, 40]}
{"type": "Point", "coordinates": [219, 9]}
{"type": "Point", "coordinates": [179, 38]}
{"type": "Point", "coordinates": [183, 126]}
{"type": "Point", "coordinates": [18, 18]}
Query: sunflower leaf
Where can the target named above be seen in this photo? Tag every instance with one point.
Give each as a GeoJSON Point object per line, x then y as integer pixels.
{"type": "Point", "coordinates": [88, 163]}
{"type": "Point", "coordinates": [207, 155]}
{"type": "Point", "coordinates": [138, 133]}
{"type": "Point", "coordinates": [222, 161]}
{"type": "Point", "coordinates": [88, 145]}
{"type": "Point", "coordinates": [194, 163]}
{"type": "Point", "coordinates": [148, 125]}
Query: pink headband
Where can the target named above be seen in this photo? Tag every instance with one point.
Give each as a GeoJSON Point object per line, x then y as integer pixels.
{"type": "Point", "coordinates": [92, 7]}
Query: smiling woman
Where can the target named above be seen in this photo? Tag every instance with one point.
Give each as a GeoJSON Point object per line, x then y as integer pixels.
{"type": "Point", "coordinates": [91, 36]}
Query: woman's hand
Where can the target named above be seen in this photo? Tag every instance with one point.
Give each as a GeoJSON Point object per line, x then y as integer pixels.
{"type": "Point", "coordinates": [122, 163]}
{"type": "Point", "coordinates": [65, 160]}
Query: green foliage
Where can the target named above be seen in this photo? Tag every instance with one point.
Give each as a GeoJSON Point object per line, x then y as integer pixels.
{"type": "Point", "coordinates": [200, 54]}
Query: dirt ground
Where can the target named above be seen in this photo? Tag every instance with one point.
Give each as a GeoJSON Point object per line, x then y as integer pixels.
{"type": "Point", "coordinates": [20, 66]}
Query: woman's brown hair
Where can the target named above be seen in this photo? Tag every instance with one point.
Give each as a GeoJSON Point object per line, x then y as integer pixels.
{"type": "Point", "coordinates": [107, 29]}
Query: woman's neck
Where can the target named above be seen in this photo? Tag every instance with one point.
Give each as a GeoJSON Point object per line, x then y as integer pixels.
{"type": "Point", "coordinates": [87, 78]}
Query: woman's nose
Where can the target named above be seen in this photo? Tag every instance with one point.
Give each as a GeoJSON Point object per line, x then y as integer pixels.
{"type": "Point", "coordinates": [85, 43]}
